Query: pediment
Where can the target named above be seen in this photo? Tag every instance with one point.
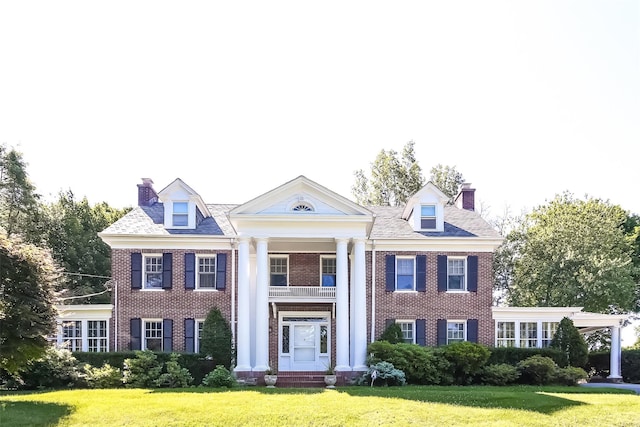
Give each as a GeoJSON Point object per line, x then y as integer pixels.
{"type": "Point", "coordinates": [178, 190]}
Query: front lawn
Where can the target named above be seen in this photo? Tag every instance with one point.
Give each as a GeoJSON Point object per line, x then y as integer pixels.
{"type": "Point", "coordinates": [348, 406]}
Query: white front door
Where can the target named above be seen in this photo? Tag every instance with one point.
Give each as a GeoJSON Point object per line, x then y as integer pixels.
{"type": "Point", "coordinates": [304, 343]}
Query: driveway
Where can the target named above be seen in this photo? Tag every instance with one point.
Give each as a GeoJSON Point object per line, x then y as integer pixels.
{"type": "Point", "coordinates": [634, 387]}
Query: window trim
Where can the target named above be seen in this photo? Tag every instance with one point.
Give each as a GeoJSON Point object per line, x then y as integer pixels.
{"type": "Point", "coordinates": [197, 286]}
{"type": "Point", "coordinates": [281, 256]}
{"type": "Point", "coordinates": [413, 287]}
{"type": "Point", "coordinates": [196, 334]}
{"type": "Point", "coordinates": [518, 336]}
{"type": "Point", "coordinates": [401, 322]}
{"type": "Point", "coordinates": [464, 276]}
{"type": "Point", "coordinates": [504, 341]}
{"type": "Point", "coordinates": [143, 333]}
{"type": "Point", "coordinates": [334, 258]}
{"type": "Point", "coordinates": [464, 331]}
{"type": "Point", "coordinates": [181, 214]}
{"type": "Point", "coordinates": [145, 256]}
{"type": "Point", "coordinates": [434, 217]}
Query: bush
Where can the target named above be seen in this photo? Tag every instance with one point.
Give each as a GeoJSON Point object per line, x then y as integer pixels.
{"type": "Point", "coordinates": [385, 375]}
{"type": "Point", "coordinates": [106, 376]}
{"type": "Point", "coordinates": [219, 377]}
{"type": "Point", "coordinates": [56, 369]}
{"type": "Point", "coordinates": [143, 370]}
{"type": "Point", "coordinates": [630, 365]}
{"type": "Point", "coordinates": [466, 359]}
{"type": "Point", "coordinates": [419, 364]}
{"type": "Point", "coordinates": [513, 355]}
{"type": "Point", "coordinates": [501, 374]}
{"type": "Point", "coordinates": [392, 334]}
{"type": "Point", "coordinates": [216, 339]}
{"type": "Point", "coordinates": [570, 375]}
{"type": "Point", "coordinates": [175, 375]}
{"type": "Point", "coordinates": [537, 370]}
{"type": "Point", "coordinates": [571, 343]}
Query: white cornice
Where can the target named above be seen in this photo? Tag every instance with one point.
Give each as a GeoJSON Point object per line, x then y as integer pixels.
{"type": "Point", "coordinates": [172, 241]}
{"type": "Point", "coordinates": [444, 244]}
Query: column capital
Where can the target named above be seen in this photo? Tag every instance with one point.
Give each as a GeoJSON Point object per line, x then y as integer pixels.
{"type": "Point", "coordinates": [342, 240]}
{"type": "Point", "coordinates": [244, 239]}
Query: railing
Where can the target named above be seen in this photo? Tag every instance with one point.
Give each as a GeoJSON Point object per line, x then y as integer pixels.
{"type": "Point", "coordinates": [299, 293]}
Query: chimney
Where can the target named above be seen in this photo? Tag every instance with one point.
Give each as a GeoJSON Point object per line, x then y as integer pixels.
{"type": "Point", "coordinates": [466, 198]}
{"type": "Point", "coordinates": [146, 194]}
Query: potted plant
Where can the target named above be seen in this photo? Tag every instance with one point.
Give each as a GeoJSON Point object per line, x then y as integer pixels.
{"type": "Point", "coordinates": [330, 377]}
{"type": "Point", "coordinates": [270, 377]}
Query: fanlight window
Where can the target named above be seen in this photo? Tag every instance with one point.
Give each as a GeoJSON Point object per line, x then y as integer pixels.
{"type": "Point", "coordinates": [302, 207]}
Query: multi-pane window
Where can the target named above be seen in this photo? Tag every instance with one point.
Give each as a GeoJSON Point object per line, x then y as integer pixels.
{"type": "Point", "coordinates": [506, 334]}
{"type": "Point", "coordinates": [456, 274]}
{"type": "Point", "coordinates": [278, 270]}
{"type": "Point", "coordinates": [455, 332]}
{"type": "Point", "coordinates": [324, 339]}
{"type": "Point", "coordinates": [427, 217]}
{"type": "Point", "coordinates": [153, 335]}
{"type": "Point", "coordinates": [407, 329]}
{"type": "Point", "coordinates": [285, 339]}
{"type": "Point", "coordinates": [97, 331]}
{"type": "Point", "coordinates": [207, 272]}
{"type": "Point", "coordinates": [72, 335]}
{"type": "Point", "coordinates": [529, 334]}
{"type": "Point", "coordinates": [328, 271]}
{"type": "Point", "coordinates": [199, 326]}
{"type": "Point", "coordinates": [180, 214]}
{"type": "Point", "coordinates": [153, 272]}
{"type": "Point", "coordinates": [548, 331]}
{"type": "Point", "coordinates": [405, 273]}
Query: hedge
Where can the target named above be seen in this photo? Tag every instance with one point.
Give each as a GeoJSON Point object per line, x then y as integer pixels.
{"type": "Point", "coordinates": [514, 355]}
{"type": "Point", "coordinates": [630, 364]}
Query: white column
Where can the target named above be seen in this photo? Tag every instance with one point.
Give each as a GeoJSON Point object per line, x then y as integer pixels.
{"type": "Point", "coordinates": [342, 306]}
{"type": "Point", "coordinates": [243, 345]}
{"type": "Point", "coordinates": [614, 367]}
{"type": "Point", "coordinates": [262, 305]}
{"type": "Point", "coordinates": [360, 316]}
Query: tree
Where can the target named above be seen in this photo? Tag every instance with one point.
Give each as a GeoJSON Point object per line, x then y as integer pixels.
{"type": "Point", "coordinates": [574, 253]}
{"type": "Point", "coordinates": [393, 179]}
{"type": "Point", "coordinates": [18, 199]}
{"type": "Point", "coordinates": [568, 340]}
{"type": "Point", "coordinates": [28, 276]}
{"type": "Point", "coordinates": [447, 179]}
{"type": "Point", "coordinates": [216, 338]}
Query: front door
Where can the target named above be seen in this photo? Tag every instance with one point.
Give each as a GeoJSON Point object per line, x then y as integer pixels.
{"type": "Point", "coordinates": [304, 342]}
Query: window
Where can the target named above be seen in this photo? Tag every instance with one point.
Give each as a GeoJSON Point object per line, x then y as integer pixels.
{"type": "Point", "coordinates": [152, 335]}
{"type": "Point", "coordinates": [407, 328]}
{"type": "Point", "coordinates": [278, 267]}
{"type": "Point", "coordinates": [529, 334]}
{"type": "Point", "coordinates": [548, 331]}
{"type": "Point", "coordinates": [455, 331]}
{"type": "Point", "coordinates": [506, 334]}
{"type": "Point", "coordinates": [328, 273]}
{"type": "Point", "coordinates": [152, 272]}
{"type": "Point", "coordinates": [180, 214]}
{"type": "Point", "coordinates": [456, 274]}
{"type": "Point", "coordinates": [302, 207]}
{"type": "Point", "coordinates": [405, 274]}
{"type": "Point", "coordinates": [97, 331]}
{"type": "Point", "coordinates": [428, 217]}
{"type": "Point", "coordinates": [199, 326]}
{"type": "Point", "coordinates": [206, 273]}
{"type": "Point", "coordinates": [72, 335]}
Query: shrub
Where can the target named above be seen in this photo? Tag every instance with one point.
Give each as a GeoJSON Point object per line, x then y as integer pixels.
{"type": "Point", "coordinates": [392, 334]}
{"type": "Point", "coordinates": [106, 376]}
{"type": "Point", "coordinates": [537, 370]}
{"type": "Point", "coordinates": [219, 377]}
{"type": "Point", "coordinates": [175, 375]}
{"type": "Point", "coordinates": [570, 375]}
{"type": "Point", "coordinates": [141, 371]}
{"type": "Point", "coordinates": [420, 364]}
{"type": "Point", "coordinates": [571, 343]}
{"type": "Point", "coordinates": [216, 339]}
{"type": "Point", "coordinates": [513, 355]}
{"type": "Point", "coordinates": [501, 374]}
{"type": "Point", "coordinates": [56, 369]}
{"type": "Point", "coordinates": [466, 359]}
{"type": "Point", "coordinates": [385, 375]}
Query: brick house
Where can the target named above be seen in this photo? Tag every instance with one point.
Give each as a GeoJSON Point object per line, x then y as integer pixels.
{"type": "Point", "coordinates": [307, 278]}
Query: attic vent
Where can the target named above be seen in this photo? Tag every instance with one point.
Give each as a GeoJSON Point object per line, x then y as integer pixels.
{"type": "Point", "coordinates": [302, 207]}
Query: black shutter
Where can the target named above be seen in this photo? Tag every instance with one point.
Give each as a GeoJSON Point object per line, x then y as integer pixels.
{"type": "Point", "coordinates": [167, 268]}
{"type": "Point", "coordinates": [390, 273]}
{"type": "Point", "coordinates": [167, 335]}
{"type": "Point", "coordinates": [472, 330]}
{"type": "Point", "coordinates": [136, 270]}
{"type": "Point", "coordinates": [421, 332]}
{"type": "Point", "coordinates": [135, 329]}
{"type": "Point", "coordinates": [189, 335]}
{"type": "Point", "coordinates": [442, 273]}
{"type": "Point", "coordinates": [442, 332]}
{"type": "Point", "coordinates": [190, 271]}
{"type": "Point", "coordinates": [421, 273]}
{"type": "Point", "coordinates": [472, 273]}
{"type": "Point", "coordinates": [221, 272]}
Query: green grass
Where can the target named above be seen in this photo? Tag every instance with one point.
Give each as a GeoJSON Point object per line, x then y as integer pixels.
{"type": "Point", "coordinates": [348, 406]}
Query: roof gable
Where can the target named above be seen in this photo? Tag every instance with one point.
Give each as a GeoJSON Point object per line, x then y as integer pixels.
{"type": "Point", "coordinates": [427, 194]}
{"type": "Point", "coordinates": [178, 190]}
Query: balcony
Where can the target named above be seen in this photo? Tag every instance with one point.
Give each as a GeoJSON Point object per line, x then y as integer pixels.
{"type": "Point", "coordinates": [302, 294]}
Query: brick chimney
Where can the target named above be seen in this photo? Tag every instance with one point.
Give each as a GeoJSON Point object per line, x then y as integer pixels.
{"type": "Point", "coordinates": [146, 194]}
{"type": "Point", "coordinates": [466, 198]}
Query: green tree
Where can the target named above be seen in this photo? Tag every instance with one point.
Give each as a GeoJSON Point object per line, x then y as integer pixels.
{"type": "Point", "coordinates": [570, 342]}
{"type": "Point", "coordinates": [447, 179]}
{"type": "Point", "coordinates": [216, 338]}
{"type": "Point", "coordinates": [392, 334]}
{"type": "Point", "coordinates": [28, 276]}
{"type": "Point", "coordinates": [393, 179]}
{"type": "Point", "coordinates": [18, 199]}
{"type": "Point", "coordinates": [574, 253]}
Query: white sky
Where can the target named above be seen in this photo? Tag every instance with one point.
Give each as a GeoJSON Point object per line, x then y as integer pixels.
{"type": "Point", "coordinates": [527, 99]}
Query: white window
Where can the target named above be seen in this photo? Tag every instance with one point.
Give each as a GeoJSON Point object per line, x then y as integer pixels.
{"type": "Point", "coordinates": [199, 326]}
{"type": "Point", "coordinates": [529, 334]}
{"type": "Point", "coordinates": [456, 268]}
{"type": "Point", "coordinates": [180, 216]}
{"type": "Point", "coordinates": [152, 335]}
{"type": "Point", "coordinates": [206, 272]}
{"type": "Point", "coordinates": [405, 273]}
{"type": "Point", "coordinates": [328, 270]}
{"type": "Point", "coordinates": [98, 337]}
{"type": "Point", "coordinates": [279, 270]}
{"type": "Point", "coordinates": [428, 217]}
{"type": "Point", "coordinates": [506, 334]}
{"type": "Point", "coordinates": [548, 331]}
{"type": "Point", "coordinates": [72, 335]}
{"type": "Point", "coordinates": [456, 331]}
{"type": "Point", "coordinates": [407, 327]}
{"type": "Point", "coordinates": [152, 272]}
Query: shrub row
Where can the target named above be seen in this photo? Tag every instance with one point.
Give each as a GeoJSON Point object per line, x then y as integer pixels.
{"type": "Point", "coordinates": [598, 364]}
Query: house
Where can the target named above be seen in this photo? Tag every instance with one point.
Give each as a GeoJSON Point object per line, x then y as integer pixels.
{"type": "Point", "coordinates": [306, 277]}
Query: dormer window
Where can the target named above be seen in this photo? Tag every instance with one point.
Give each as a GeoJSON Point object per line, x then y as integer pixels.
{"type": "Point", "coordinates": [302, 207]}
{"type": "Point", "coordinates": [180, 214]}
{"type": "Point", "coordinates": [428, 217]}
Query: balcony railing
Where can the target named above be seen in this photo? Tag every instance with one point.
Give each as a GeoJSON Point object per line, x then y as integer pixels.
{"type": "Point", "coordinates": [302, 293]}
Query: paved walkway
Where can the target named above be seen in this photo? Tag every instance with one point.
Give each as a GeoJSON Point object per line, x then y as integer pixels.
{"type": "Point", "coordinates": [634, 387]}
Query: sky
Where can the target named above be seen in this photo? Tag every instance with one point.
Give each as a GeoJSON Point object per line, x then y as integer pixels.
{"type": "Point", "coordinates": [526, 99]}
